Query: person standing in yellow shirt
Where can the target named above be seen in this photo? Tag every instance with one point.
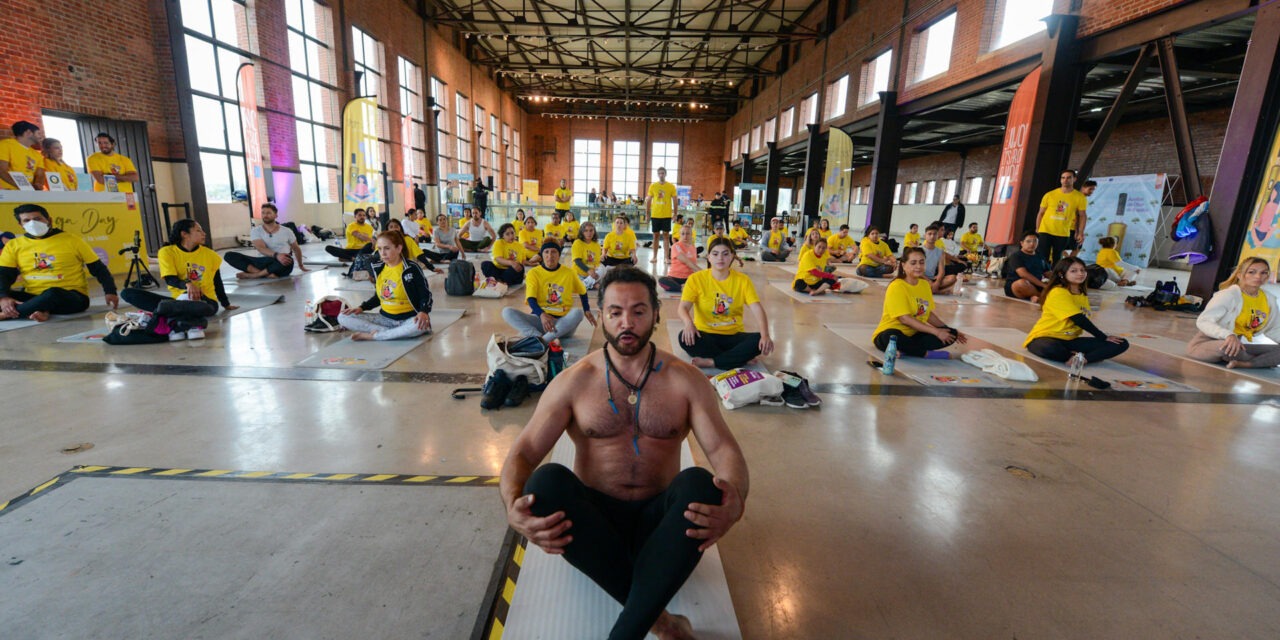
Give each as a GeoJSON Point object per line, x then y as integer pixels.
{"type": "Point", "coordinates": [712, 305]}
{"type": "Point", "coordinates": [51, 263]}
{"type": "Point", "coordinates": [53, 164]}
{"type": "Point", "coordinates": [908, 312]}
{"type": "Point", "coordinates": [550, 289]}
{"type": "Point", "coordinates": [1061, 218]}
{"type": "Point", "coordinates": [1064, 316]}
{"type": "Point", "coordinates": [18, 154]}
{"type": "Point", "coordinates": [109, 163]}
{"type": "Point", "coordinates": [661, 204]}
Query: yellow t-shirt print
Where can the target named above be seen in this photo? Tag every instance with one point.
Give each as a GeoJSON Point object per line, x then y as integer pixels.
{"type": "Point", "coordinates": [722, 304]}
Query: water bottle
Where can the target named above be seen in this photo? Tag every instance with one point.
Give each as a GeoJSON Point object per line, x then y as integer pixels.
{"type": "Point", "coordinates": [555, 359]}
{"type": "Point", "coordinates": [309, 316]}
{"type": "Point", "coordinates": [890, 356]}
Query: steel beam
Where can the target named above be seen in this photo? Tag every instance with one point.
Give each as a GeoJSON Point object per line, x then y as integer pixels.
{"type": "Point", "coordinates": [1190, 16]}
{"type": "Point", "coordinates": [772, 172]}
{"type": "Point", "coordinates": [1178, 118]}
{"type": "Point", "coordinates": [884, 164]}
{"type": "Point", "coordinates": [815, 162]}
{"type": "Point", "coordinates": [1109, 123]}
{"type": "Point", "coordinates": [746, 177]}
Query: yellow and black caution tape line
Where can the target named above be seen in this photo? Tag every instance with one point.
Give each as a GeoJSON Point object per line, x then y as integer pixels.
{"type": "Point", "coordinates": [494, 620]}
{"type": "Point", "coordinates": [259, 476]}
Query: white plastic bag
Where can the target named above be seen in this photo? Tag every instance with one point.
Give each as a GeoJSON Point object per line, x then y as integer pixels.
{"type": "Point", "coordinates": [741, 387]}
{"type": "Point", "coordinates": [490, 288]}
{"type": "Point", "coordinates": [995, 364]}
{"type": "Point", "coordinates": [853, 285]}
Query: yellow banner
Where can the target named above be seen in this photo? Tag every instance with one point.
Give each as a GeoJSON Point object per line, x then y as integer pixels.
{"type": "Point", "coordinates": [835, 185]}
{"type": "Point", "coordinates": [1263, 237]}
{"type": "Point", "coordinates": [362, 156]}
{"type": "Point", "coordinates": [105, 220]}
{"type": "Point", "coordinates": [530, 191]}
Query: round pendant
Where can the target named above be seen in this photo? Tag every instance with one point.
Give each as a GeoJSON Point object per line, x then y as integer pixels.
{"type": "Point", "coordinates": [632, 399]}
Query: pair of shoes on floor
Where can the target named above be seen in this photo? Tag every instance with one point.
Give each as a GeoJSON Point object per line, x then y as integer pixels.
{"type": "Point", "coordinates": [796, 393]}
{"type": "Point", "coordinates": [194, 333]}
{"type": "Point", "coordinates": [500, 390]}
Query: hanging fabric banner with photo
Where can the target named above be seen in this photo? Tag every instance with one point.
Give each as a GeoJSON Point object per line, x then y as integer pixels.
{"type": "Point", "coordinates": [362, 156]}
{"type": "Point", "coordinates": [1126, 208]}
{"type": "Point", "coordinates": [834, 200]}
{"type": "Point", "coordinates": [247, 97]}
{"type": "Point", "coordinates": [1000, 221]}
{"type": "Point", "coordinates": [1263, 236]}
{"type": "Point", "coordinates": [406, 151]}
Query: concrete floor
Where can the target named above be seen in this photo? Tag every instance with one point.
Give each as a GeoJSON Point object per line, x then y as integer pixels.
{"type": "Point", "coordinates": [891, 512]}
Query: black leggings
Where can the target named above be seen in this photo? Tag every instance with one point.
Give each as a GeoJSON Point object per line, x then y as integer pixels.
{"type": "Point", "coordinates": [508, 275]}
{"type": "Point", "coordinates": [1094, 349]}
{"type": "Point", "coordinates": [51, 300]}
{"type": "Point", "coordinates": [1051, 247]}
{"type": "Point", "coordinates": [241, 262]}
{"type": "Point", "coordinates": [347, 254]}
{"type": "Point", "coordinates": [800, 286]}
{"type": "Point", "coordinates": [914, 346]}
{"type": "Point", "coordinates": [184, 313]}
{"type": "Point", "coordinates": [439, 256]}
{"type": "Point", "coordinates": [674, 285]}
{"type": "Point", "coordinates": [610, 261]}
{"type": "Point", "coordinates": [728, 351]}
{"type": "Point", "coordinates": [638, 551]}
{"type": "Point", "coordinates": [480, 245]}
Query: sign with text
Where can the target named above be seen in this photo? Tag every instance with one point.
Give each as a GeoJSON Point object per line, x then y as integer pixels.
{"type": "Point", "coordinates": [1000, 221]}
{"type": "Point", "coordinates": [362, 156]}
{"type": "Point", "coordinates": [1128, 206]}
{"type": "Point", "coordinates": [104, 220]}
{"type": "Point", "coordinates": [1263, 236]}
{"type": "Point", "coordinates": [834, 199]}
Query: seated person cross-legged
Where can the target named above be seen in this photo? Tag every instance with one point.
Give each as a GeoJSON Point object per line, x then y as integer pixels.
{"type": "Point", "coordinates": [712, 304]}
{"type": "Point", "coordinates": [739, 235]}
{"type": "Point", "coordinates": [1064, 316]}
{"type": "Point", "coordinates": [813, 276]}
{"type": "Point", "coordinates": [475, 233]}
{"type": "Point", "coordinates": [359, 238]}
{"type": "Point", "coordinates": [586, 254]}
{"type": "Point", "coordinates": [400, 294]}
{"type": "Point", "coordinates": [277, 246]}
{"type": "Point", "coordinates": [775, 244]}
{"type": "Point", "coordinates": [940, 267]}
{"type": "Point", "coordinates": [626, 515]}
{"type": "Point", "coordinates": [195, 286]}
{"type": "Point", "coordinates": [684, 261]}
{"type": "Point", "coordinates": [448, 244]}
{"type": "Point", "coordinates": [1118, 271]}
{"type": "Point", "coordinates": [877, 259]}
{"type": "Point", "coordinates": [412, 251]}
{"type": "Point", "coordinates": [842, 247]}
{"type": "Point", "coordinates": [1238, 312]}
{"type": "Point", "coordinates": [51, 263]}
{"type": "Point", "coordinates": [1025, 271]}
{"type": "Point", "coordinates": [551, 287]}
{"type": "Point", "coordinates": [531, 237]}
{"type": "Point", "coordinates": [620, 244]}
{"type": "Point", "coordinates": [507, 258]}
{"type": "Point", "coordinates": [908, 312]}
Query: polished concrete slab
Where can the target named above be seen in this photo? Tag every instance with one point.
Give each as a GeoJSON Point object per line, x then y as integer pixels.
{"type": "Point", "coordinates": [894, 510]}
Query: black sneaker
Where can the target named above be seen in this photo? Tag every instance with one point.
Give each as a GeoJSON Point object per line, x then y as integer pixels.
{"type": "Point", "coordinates": [791, 379]}
{"type": "Point", "coordinates": [792, 397]}
{"type": "Point", "coordinates": [519, 391]}
{"type": "Point", "coordinates": [495, 390]}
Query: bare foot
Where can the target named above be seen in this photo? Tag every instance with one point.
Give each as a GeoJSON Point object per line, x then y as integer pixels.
{"type": "Point", "coordinates": [820, 291]}
{"type": "Point", "coordinates": [1231, 364]}
{"type": "Point", "coordinates": [361, 336]}
{"type": "Point", "coordinates": [243, 275]}
{"type": "Point", "coordinates": [703, 362]}
{"type": "Point", "coordinates": [39, 316]}
{"type": "Point", "coordinates": [672, 627]}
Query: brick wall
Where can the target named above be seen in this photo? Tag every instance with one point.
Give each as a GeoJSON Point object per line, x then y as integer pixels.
{"type": "Point", "coordinates": [1097, 16]}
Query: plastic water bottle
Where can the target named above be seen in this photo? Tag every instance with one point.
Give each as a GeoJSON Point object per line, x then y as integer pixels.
{"type": "Point", "coordinates": [890, 356]}
{"type": "Point", "coordinates": [309, 315]}
{"type": "Point", "coordinates": [555, 359]}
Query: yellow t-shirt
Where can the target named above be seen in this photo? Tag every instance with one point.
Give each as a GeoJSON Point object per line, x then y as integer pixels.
{"type": "Point", "coordinates": [556, 231]}
{"type": "Point", "coordinates": [868, 249]}
{"type": "Point", "coordinates": [824, 233]}
{"type": "Point", "coordinates": [808, 262]}
{"type": "Point", "coordinates": [105, 164]}
{"type": "Point", "coordinates": [21, 158]}
{"type": "Point", "coordinates": [902, 299]}
{"type": "Point", "coordinates": [1253, 316]}
{"type": "Point", "coordinates": [1060, 211]}
{"type": "Point", "coordinates": [972, 241]}
{"type": "Point", "coordinates": [1109, 259]}
{"type": "Point", "coordinates": [837, 245]}
{"type": "Point", "coordinates": [718, 306]}
{"type": "Point", "coordinates": [567, 194]}
{"type": "Point", "coordinates": [533, 237]}
{"type": "Point", "coordinates": [355, 227]}
{"type": "Point", "coordinates": [664, 198]}
{"type": "Point", "coordinates": [51, 261]}
{"type": "Point", "coordinates": [199, 266]}
{"type": "Point", "coordinates": [739, 235]}
{"type": "Point", "coordinates": [64, 170]}
{"type": "Point", "coordinates": [392, 296]}
{"type": "Point", "coordinates": [554, 290]}
{"type": "Point", "coordinates": [507, 250]}
{"type": "Point", "coordinates": [911, 239]}
{"type": "Point", "coordinates": [571, 229]}
{"type": "Point", "coordinates": [411, 248]}
{"type": "Point", "coordinates": [619, 246]}
{"type": "Point", "coordinates": [775, 240]}
{"type": "Point", "coordinates": [588, 253]}
{"type": "Point", "coordinates": [1059, 305]}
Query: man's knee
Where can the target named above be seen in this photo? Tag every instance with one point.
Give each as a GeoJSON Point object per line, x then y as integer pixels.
{"type": "Point", "coordinates": [553, 485]}
{"type": "Point", "coordinates": [694, 484]}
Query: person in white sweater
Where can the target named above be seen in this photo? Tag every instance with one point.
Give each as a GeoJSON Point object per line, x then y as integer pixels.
{"type": "Point", "coordinates": [1238, 312]}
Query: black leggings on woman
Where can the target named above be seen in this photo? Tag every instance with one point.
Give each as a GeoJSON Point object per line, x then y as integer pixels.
{"type": "Point", "coordinates": [1094, 349]}
{"type": "Point", "coordinates": [610, 261]}
{"type": "Point", "coordinates": [728, 351]}
{"type": "Point", "coordinates": [915, 346]}
{"type": "Point", "coordinates": [637, 551]}
{"type": "Point", "coordinates": [192, 313]}
{"type": "Point", "coordinates": [800, 286]}
{"type": "Point", "coordinates": [508, 275]}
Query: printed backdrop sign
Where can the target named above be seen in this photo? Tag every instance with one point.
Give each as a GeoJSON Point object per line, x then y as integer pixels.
{"type": "Point", "coordinates": [834, 197]}
{"type": "Point", "coordinates": [1000, 221]}
{"type": "Point", "coordinates": [247, 87]}
{"type": "Point", "coordinates": [684, 195]}
{"type": "Point", "coordinates": [406, 155]}
{"type": "Point", "coordinates": [362, 154]}
{"type": "Point", "coordinates": [105, 220]}
{"type": "Point", "coordinates": [1133, 201]}
{"type": "Point", "coordinates": [1263, 237]}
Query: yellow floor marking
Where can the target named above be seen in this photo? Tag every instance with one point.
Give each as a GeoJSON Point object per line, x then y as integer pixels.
{"type": "Point", "coordinates": [256, 474]}
{"type": "Point", "coordinates": [3, 505]}
{"type": "Point", "coordinates": [461, 479]}
{"type": "Point", "coordinates": [519, 556]}
{"type": "Point", "coordinates": [130, 471]}
{"type": "Point", "coordinates": [421, 478]}
{"type": "Point", "coordinates": [214, 472]}
{"type": "Point", "coordinates": [341, 476]}
{"type": "Point", "coordinates": [44, 486]}
{"type": "Point", "coordinates": [298, 476]}
{"type": "Point", "coordinates": [171, 472]}
{"type": "Point", "coordinates": [493, 480]}
{"type": "Point", "coordinates": [496, 632]}
{"type": "Point", "coordinates": [380, 478]}
{"type": "Point", "coordinates": [89, 469]}
{"type": "Point", "coordinates": [508, 590]}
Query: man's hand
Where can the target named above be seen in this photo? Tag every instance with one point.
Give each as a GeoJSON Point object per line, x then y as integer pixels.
{"type": "Point", "coordinates": [284, 259]}
{"type": "Point", "coordinates": [548, 533]}
{"type": "Point", "coordinates": [8, 307]}
{"type": "Point", "coordinates": [715, 520]}
{"type": "Point", "coordinates": [113, 301]}
{"type": "Point", "coordinates": [548, 322]}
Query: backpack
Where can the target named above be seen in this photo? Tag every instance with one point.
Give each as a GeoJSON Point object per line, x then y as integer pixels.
{"type": "Point", "coordinates": [298, 235]}
{"type": "Point", "coordinates": [322, 317]}
{"type": "Point", "coordinates": [461, 280]}
{"type": "Point", "coordinates": [518, 356]}
{"type": "Point", "coordinates": [362, 267]}
{"type": "Point", "coordinates": [1097, 276]}
{"type": "Point", "coordinates": [139, 329]}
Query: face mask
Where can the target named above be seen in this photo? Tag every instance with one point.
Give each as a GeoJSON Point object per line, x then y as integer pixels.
{"type": "Point", "coordinates": [35, 228]}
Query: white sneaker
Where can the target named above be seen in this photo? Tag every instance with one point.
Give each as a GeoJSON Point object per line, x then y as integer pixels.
{"type": "Point", "coordinates": [195, 333]}
{"type": "Point", "coordinates": [175, 336]}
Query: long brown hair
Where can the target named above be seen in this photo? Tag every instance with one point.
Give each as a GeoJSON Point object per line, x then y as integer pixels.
{"type": "Point", "coordinates": [1058, 278]}
{"type": "Point", "coordinates": [719, 241]}
{"type": "Point", "coordinates": [396, 238]}
{"type": "Point", "coordinates": [1244, 265]}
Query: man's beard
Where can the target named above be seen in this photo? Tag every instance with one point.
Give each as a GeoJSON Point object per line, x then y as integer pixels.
{"type": "Point", "coordinates": [642, 341]}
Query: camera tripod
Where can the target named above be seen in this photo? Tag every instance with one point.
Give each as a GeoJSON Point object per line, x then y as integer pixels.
{"type": "Point", "coordinates": [139, 275]}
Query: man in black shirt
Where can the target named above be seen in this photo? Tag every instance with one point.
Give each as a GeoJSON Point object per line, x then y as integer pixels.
{"type": "Point", "coordinates": [952, 217]}
{"type": "Point", "coordinates": [718, 210]}
{"type": "Point", "coordinates": [1024, 271]}
{"type": "Point", "coordinates": [419, 197]}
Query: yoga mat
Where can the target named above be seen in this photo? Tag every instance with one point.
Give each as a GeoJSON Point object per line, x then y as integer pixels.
{"type": "Point", "coordinates": [554, 600]}
{"type": "Point", "coordinates": [1121, 377]}
{"type": "Point", "coordinates": [674, 327]}
{"type": "Point", "coordinates": [249, 302]}
{"type": "Point", "coordinates": [91, 336]}
{"type": "Point", "coordinates": [365, 286]}
{"type": "Point", "coordinates": [257, 282]}
{"type": "Point", "coordinates": [928, 372]}
{"type": "Point", "coordinates": [375, 354]}
{"type": "Point", "coordinates": [830, 297]}
{"type": "Point", "coordinates": [843, 271]}
{"type": "Point", "coordinates": [1178, 349]}
{"type": "Point", "coordinates": [96, 306]}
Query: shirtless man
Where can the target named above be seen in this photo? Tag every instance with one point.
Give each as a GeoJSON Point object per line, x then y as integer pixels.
{"type": "Point", "coordinates": [627, 515]}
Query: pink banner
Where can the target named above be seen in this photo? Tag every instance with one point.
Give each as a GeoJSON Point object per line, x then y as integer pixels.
{"type": "Point", "coordinates": [248, 96]}
{"type": "Point", "coordinates": [406, 149]}
{"type": "Point", "coordinates": [1000, 222]}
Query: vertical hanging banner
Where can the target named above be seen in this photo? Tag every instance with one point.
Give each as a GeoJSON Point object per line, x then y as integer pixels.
{"type": "Point", "coordinates": [834, 198]}
{"type": "Point", "coordinates": [247, 90]}
{"type": "Point", "coordinates": [1000, 220]}
{"type": "Point", "coordinates": [406, 151]}
{"type": "Point", "coordinates": [1263, 237]}
{"type": "Point", "coordinates": [361, 155]}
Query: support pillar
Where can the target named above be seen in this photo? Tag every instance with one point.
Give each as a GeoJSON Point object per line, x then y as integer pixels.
{"type": "Point", "coordinates": [1178, 118]}
{"type": "Point", "coordinates": [1053, 122]}
{"type": "Point", "coordinates": [772, 174]}
{"type": "Point", "coordinates": [815, 162]}
{"type": "Point", "coordinates": [1255, 117]}
{"type": "Point", "coordinates": [884, 164]}
{"type": "Point", "coordinates": [745, 203]}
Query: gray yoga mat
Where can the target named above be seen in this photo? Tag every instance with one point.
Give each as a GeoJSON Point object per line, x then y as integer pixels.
{"type": "Point", "coordinates": [1121, 377]}
{"type": "Point", "coordinates": [92, 336]}
{"type": "Point", "coordinates": [929, 372]}
{"type": "Point", "coordinates": [249, 302]}
{"type": "Point", "coordinates": [376, 354]}
{"type": "Point", "coordinates": [674, 327]}
{"type": "Point", "coordinates": [1178, 349]}
{"type": "Point", "coordinates": [96, 307]}
{"type": "Point", "coordinates": [830, 297]}
{"type": "Point", "coordinates": [258, 282]}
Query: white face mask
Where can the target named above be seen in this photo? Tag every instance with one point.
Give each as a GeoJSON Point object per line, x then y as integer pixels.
{"type": "Point", "coordinates": [35, 228]}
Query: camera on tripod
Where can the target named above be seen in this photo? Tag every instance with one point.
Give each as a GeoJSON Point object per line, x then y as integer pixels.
{"type": "Point", "coordinates": [139, 275]}
{"type": "Point", "coordinates": [135, 247]}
